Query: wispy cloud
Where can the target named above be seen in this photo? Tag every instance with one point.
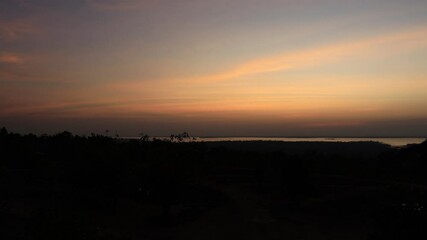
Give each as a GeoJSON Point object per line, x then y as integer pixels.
{"type": "Point", "coordinates": [118, 5]}
{"type": "Point", "coordinates": [316, 56]}
{"type": "Point", "coordinates": [294, 100]}
{"type": "Point", "coordinates": [16, 29]}
{"type": "Point", "coordinates": [297, 59]}
{"type": "Point", "coordinates": [10, 64]}
{"type": "Point", "coordinates": [11, 58]}
{"type": "Point", "coordinates": [334, 124]}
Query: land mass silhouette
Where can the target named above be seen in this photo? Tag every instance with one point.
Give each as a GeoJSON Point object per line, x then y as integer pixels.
{"type": "Point", "coordinates": [66, 186]}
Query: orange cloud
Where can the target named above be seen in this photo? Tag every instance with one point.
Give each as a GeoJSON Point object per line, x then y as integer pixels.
{"type": "Point", "coordinates": [316, 56]}
{"type": "Point", "coordinates": [10, 58]}
{"type": "Point", "coordinates": [298, 59]}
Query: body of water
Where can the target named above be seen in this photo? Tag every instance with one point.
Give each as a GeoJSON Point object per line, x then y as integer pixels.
{"type": "Point", "coordinates": [391, 141]}
{"type": "Point", "coordinates": [397, 142]}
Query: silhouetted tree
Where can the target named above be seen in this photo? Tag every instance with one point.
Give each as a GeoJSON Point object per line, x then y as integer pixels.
{"type": "Point", "coordinates": [180, 137]}
{"type": "Point", "coordinates": [3, 131]}
{"type": "Point", "coordinates": [143, 137]}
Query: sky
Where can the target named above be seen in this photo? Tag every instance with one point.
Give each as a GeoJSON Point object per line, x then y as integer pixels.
{"type": "Point", "coordinates": [214, 68]}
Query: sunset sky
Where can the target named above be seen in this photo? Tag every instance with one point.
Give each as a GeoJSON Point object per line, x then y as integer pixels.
{"type": "Point", "coordinates": [214, 67]}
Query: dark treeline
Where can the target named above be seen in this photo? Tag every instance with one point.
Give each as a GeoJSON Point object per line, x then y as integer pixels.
{"type": "Point", "coordinates": [66, 186]}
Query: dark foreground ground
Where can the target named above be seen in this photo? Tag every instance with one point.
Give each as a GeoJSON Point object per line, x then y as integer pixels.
{"type": "Point", "coordinates": [70, 187]}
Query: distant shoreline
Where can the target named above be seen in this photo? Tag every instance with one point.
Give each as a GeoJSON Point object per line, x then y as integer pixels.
{"type": "Point", "coordinates": [395, 142]}
{"type": "Point", "coordinates": [425, 137]}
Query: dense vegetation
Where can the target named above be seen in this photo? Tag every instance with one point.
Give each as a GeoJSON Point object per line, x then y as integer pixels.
{"type": "Point", "coordinates": [74, 187]}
